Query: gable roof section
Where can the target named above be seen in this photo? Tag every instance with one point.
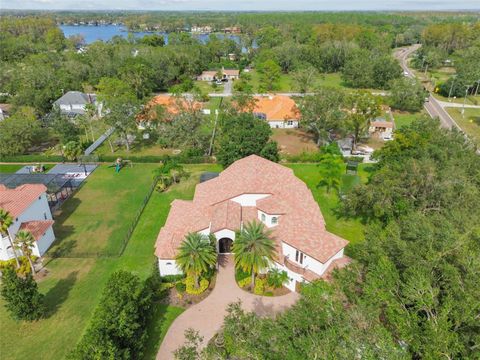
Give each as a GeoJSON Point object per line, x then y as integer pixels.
{"type": "Point", "coordinates": [17, 200]}
{"type": "Point", "coordinates": [73, 97]}
{"type": "Point", "coordinates": [300, 225]}
{"type": "Point", "coordinates": [37, 227]}
{"type": "Point", "coordinates": [276, 108]}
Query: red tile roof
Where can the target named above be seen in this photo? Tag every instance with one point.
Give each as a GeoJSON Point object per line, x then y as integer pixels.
{"type": "Point", "coordinates": [300, 224]}
{"type": "Point", "coordinates": [37, 227]}
{"type": "Point", "coordinates": [17, 200]}
{"type": "Point", "coordinates": [277, 107]}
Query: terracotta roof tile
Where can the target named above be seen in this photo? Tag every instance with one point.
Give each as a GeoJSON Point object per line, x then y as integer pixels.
{"type": "Point", "coordinates": [17, 200]}
{"type": "Point", "coordinates": [300, 224]}
{"type": "Point", "coordinates": [37, 227]}
{"type": "Point", "coordinates": [277, 107]}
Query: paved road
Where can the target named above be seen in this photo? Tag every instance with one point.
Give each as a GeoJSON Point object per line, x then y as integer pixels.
{"type": "Point", "coordinates": [432, 106]}
{"type": "Point", "coordinates": [207, 316]}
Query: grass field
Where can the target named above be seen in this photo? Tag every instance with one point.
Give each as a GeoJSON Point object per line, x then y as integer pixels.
{"type": "Point", "coordinates": [470, 123]}
{"type": "Point", "coordinates": [9, 168]}
{"type": "Point", "coordinates": [403, 119]}
{"type": "Point", "coordinates": [138, 148]}
{"type": "Point", "coordinates": [73, 285]}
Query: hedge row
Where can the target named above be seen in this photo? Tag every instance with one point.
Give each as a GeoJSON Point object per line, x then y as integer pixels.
{"type": "Point", "coordinates": [31, 158]}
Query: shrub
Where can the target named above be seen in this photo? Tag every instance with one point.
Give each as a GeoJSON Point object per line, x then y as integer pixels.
{"type": "Point", "coordinates": [24, 268]}
{"type": "Point", "coordinates": [190, 286]}
{"type": "Point", "coordinates": [277, 278]}
{"type": "Point", "coordinates": [117, 328]}
{"type": "Point", "coordinates": [259, 286]}
{"type": "Point", "coordinates": [180, 286]}
{"type": "Point", "coordinates": [172, 278]}
{"type": "Point", "coordinates": [244, 282]}
{"type": "Point", "coordinates": [305, 157]}
{"type": "Point", "coordinates": [21, 296]}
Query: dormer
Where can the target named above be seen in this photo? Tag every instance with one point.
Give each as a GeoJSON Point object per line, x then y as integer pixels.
{"type": "Point", "coordinates": [270, 220]}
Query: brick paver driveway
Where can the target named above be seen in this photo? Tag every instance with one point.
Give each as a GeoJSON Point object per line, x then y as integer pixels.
{"type": "Point", "coordinates": [207, 316]}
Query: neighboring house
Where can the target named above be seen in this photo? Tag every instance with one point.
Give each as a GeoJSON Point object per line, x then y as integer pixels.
{"type": "Point", "coordinates": [232, 30]}
{"type": "Point", "coordinates": [381, 128]}
{"type": "Point", "coordinates": [256, 189]}
{"type": "Point", "coordinates": [4, 111]}
{"type": "Point", "coordinates": [279, 110]}
{"type": "Point", "coordinates": [211, 75]}
{"type": "Point", "coordinates": [172, 106]}
{"type": "Point", "coordinates": [201, 29]}
{"type": "Point", "coordinates": [74, 103]}
{"type": "Point", "coordinates": [28, 206]}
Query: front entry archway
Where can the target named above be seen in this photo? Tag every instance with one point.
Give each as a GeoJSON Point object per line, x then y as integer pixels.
{"type": "Point", "coordinates": [225, 245]}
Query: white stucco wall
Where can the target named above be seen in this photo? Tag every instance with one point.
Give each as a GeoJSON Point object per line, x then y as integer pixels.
{"type": "Point", "coordinates": [42, 245]}
{"type": "Point", "coordinates": [268, 218]}
{"type": "Point", "coordinates": [280, 124]}
{"type": "Point", "coordinates": [38, 210]}
{"type": "Point", "coordinates": [168, 267]}
{"type": "Point", "coordinates": [294, 277]}
{"type": "Point", "coordinates": [309, 262]}
{"type": "Point", "coordinates": [249, 199]}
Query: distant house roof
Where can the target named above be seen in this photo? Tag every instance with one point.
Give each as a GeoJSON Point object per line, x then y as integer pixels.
{"type": "Point", "coordinates": [76, 98]}
{"type": "Point", "coordinates": [209, 73]}
{"type": "Point", "coordinates": [231, 72]}
{"type": "Point", "coordinates": [276, 108]}
{"type": "Point", "coordinates": [17, 200]}
{"type": "Point", "coordinates": [172, 104]}
{"type": "Point", "coordinates": [37, 227]}
{"type": "Point", "coordinates": [382, 124]}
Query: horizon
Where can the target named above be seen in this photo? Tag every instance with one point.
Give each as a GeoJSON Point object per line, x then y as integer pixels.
{"type": "Point", "coordinates": [243, 5]}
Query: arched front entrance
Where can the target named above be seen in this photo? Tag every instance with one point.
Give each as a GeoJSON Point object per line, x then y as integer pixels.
{"type": "Point", "coordinates": [225, 245]}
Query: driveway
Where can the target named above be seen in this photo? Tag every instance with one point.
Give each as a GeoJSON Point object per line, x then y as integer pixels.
{"type": "Point", "coordinates": [207, 316]}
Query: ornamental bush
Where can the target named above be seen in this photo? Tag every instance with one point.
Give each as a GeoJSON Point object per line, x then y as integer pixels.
{"type": "Point", "coordinates": [259, 286]}
{"type": "Point", "coordinates": [21, 296]}
{"type": "Point", "coordinates": [24, 268]}
{"type": "Point", "coordinates": [244, 282]}
{"type": "Point", "coordinates": [190, 286]}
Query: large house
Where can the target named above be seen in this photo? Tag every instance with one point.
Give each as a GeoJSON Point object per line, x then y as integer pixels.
{"type": "Point", "coordinates": [279, 111]}
{"type": "Point", "coordinates": [74, 103]}
{"type": "Point", "coordinates": [381, 128]}
{"type": "Point", "coordinates": [256, 189]}
{"type": "Point", "coordinates": [28, 206]}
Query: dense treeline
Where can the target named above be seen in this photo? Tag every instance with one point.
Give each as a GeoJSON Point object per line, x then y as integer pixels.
{"type": "Point", "coordinates": [412, 291]}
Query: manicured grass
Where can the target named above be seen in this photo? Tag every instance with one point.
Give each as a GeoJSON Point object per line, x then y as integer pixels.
{"type": "Point", "coordinates": [138, 148]}
{"type": "Point", "coordinates": [9, 168]}
{"type": "Point", "coordinates": [73, 285]}
{"type": "Point", "coordinates": [350, 229]}
{"type": "Point", "coordinates": [470, 123]}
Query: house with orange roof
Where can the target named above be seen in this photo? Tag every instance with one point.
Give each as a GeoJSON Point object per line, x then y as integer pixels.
{"type": "Point", "coordinates": [256, 189]}
{"type": "Point", "coordinates": [279, 111]}
{"type": "Point", "coordinates": [212, 75]}
{"type": "Point", "coordinates": [28, 206]}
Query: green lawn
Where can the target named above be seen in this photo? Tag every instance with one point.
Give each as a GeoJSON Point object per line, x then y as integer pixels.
{"type": "Point", "coordinates": [9, 168]}
{"type": "Point", "coordinates": [350, 229]}
{"type": "Point", "coordinates": [138, 148]}
{"type": "Point", "coordinates": [403, 119]}
{"type": "Point", "coordinates": [73, 285]}
{"type": "Point", "coordinates": [470, 123]}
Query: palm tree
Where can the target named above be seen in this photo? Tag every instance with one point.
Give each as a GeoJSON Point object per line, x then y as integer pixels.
{"type": "Point", "coordinates": [196, 255]}
{"type": "Point", "coordinates": [6, 221]}
{"type": "Point", "coordinates": [254, 248]}
{"type": "Point", "coordinates": [25, 242]}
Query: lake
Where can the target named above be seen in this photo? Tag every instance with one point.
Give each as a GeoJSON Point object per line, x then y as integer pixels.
{"type": "Point", "coordinates": [107, 32]}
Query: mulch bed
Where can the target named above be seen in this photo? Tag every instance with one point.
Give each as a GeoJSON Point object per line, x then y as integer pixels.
{"type": "Point", "coordinates": [186, 300]}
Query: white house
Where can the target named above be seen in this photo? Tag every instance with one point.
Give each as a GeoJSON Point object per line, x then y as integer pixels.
{"type": "Point", "coordinates": [256, 189]}
{"type": "Point", "coordinates": [381, 128]}
{"type": "Point", "coordinates": [28, 206]}
{"type": "Point", "coordinates": [74, 103]}
{"type": "Point", "coordinates": [279, 111]}
{"type": "Point", "coordinates": [211, 75]}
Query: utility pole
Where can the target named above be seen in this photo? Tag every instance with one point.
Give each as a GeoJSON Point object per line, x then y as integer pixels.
{"type": "Point", "coordinates": [464, 100]}
{"type": "Point", "coordinates": [217, 111]}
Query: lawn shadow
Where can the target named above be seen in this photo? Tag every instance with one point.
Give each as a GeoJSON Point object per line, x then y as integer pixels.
{"type": "Point", "coordinates": [57, 295]}
{"type": "Point", "coordinates": [154, 331]}
{"type": "Point", "coordinates": [262, 309]}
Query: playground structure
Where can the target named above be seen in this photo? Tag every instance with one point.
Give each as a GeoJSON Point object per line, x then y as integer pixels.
{"type": "Point", "coordinates": [120, 163]}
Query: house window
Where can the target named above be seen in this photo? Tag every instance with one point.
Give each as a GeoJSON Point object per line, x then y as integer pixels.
{"type": "Point", "coordinates": [274, 220]}
{"type": "Point", "coordinates": [263, 217]}
{"type": "Point", "coordinates": [290, 122]}
{"type": "Point", "coordinates": [299, 257]}
{"type": "Point", "coordinates": [169, 263]}
{"type": "Point", "coordinates": [45, 215]}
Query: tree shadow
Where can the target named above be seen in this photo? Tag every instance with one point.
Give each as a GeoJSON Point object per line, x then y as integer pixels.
{"type": "Point", "coordinates": [57, 295]}
{"type": "Point", "coordinates": [154, 330]}
{"type": "Point", "coordinates": [262, 309]}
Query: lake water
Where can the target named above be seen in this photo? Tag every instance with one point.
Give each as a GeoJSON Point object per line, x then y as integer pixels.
{"type": "Point", "coordinates": [107, 32]}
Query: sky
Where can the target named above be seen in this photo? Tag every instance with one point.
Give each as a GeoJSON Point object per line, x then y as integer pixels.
{"type": "Point", "coordinates": [243, 5]}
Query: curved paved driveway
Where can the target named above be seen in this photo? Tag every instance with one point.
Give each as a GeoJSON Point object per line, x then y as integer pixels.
{"type": "Point", "coordinates": [207, 316]}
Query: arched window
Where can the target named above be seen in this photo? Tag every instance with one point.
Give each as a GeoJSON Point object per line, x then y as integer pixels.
{"type": "Point", "coordinates": [274, 220]}
{"type": "Point", "coordinates": [263, 217]}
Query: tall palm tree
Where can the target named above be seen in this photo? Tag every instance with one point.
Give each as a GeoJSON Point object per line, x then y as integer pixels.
{"type": "Point", "coordinates": [196, 255]}
{"type": "Point", "coordinates": [6, 221]}
{"type": "Point", "coordinates": [254, 248]}
{"type": "Point", "coordinates": [25, 242]}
